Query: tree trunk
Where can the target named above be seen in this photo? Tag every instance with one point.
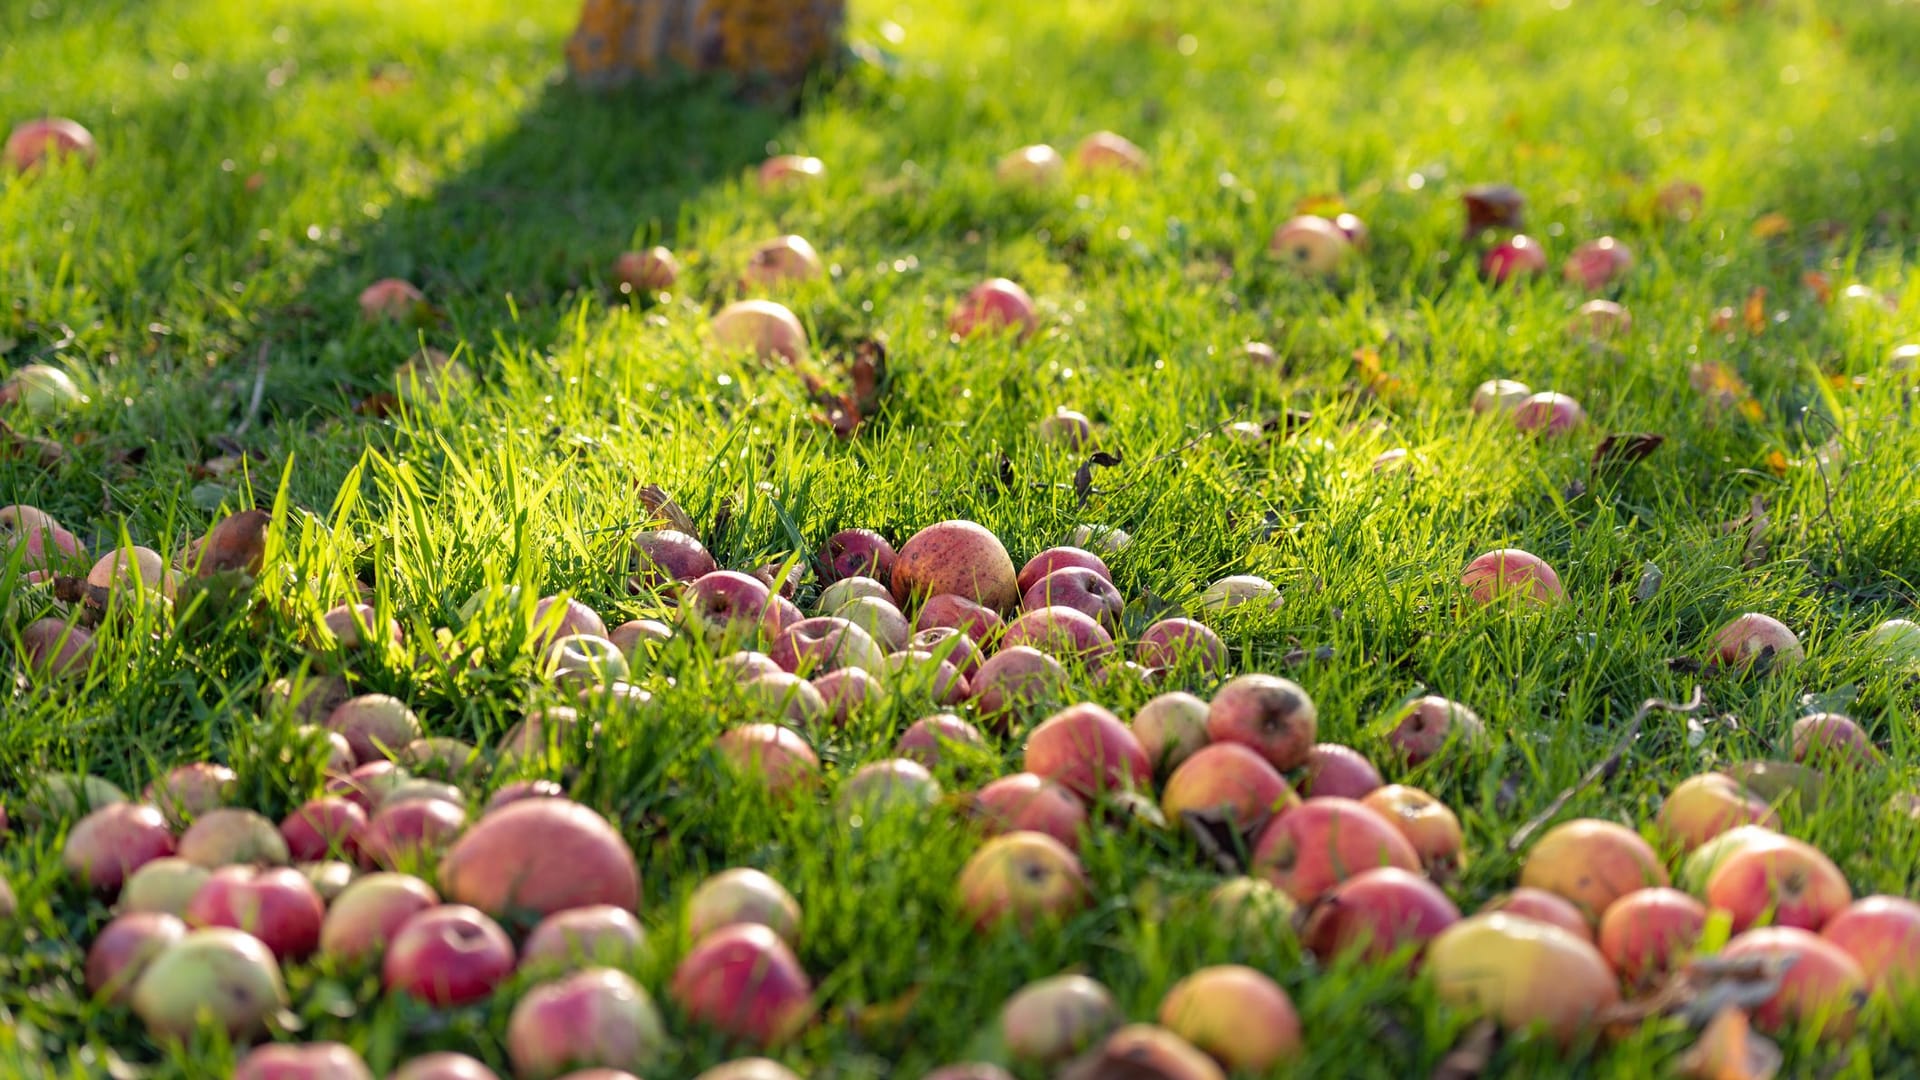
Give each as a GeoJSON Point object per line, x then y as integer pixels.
{"type": "Point", "coordinates": [772, 45]}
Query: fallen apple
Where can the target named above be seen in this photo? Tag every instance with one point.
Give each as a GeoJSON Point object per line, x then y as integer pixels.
{"type": "Point", "coordinates": [1820, 984]}
{"type": "Point", "coordinates": [1310, 244]}
{"type": "Point", "coordinates": [162, 886]}
{"type": "Point", "coordinates": [124, 947]}
{"type": "Point", "coordinates": [1272, 715]}
{"type": "Point", "coordinates": [111, 843]}
{"type": "Point", "coordinates": [1647, 933]}
{"type": "Point", "coordinates": [1516, 258]}
{"type": "Point", "coordinates": [1088, 749]}
{"type": "Point", "coordinates": [302, 1061]}
{"type": "Point", "coordinates": [217, 975]}
{"type": "Point", "coordinates": [1549, 413]}
{"type": "Point", "coordinates": [1050, 1020]}
{"type": "Point", "coordinates": [995, 306]}
{"type": "Point", "coordinates": [1542, 906]}
{"type": "Point", "coordinates": [1702, 807]}
{"type": "Point", "coordinates": [229, 835]}
{"type": "Point", "coordinates": [1592, 863]}
{"type": "Point", "coordinates": [742, 895]}
{"type": "Point", "coordinates": [763, 328]}
{"type": "Point", "coordinates": [1314, 846]}
{"type": "Point", "coordinates": [1756, 639]}
{"type": "Point", "coordinates": [1176, 643]}
{"type": "Point", "coordinates": [1020, 877]}
{"type": "Point", "coordinates": [1339, 771]}
{"type": "Point", "coordinates": [364, 917]}
{"type": "Point", "coordinates": [1522, 974]}
{"type": "Point", "coordinates": [1511, 572]}
{"type": "Point", "coordinates": [1785, 882]}
{"type": "Point", "coordinates": [1499, 396]}
{"type": "Point", "coordinates": [1104, 151]}
{"type": "Point", "coordinates": [1230, 782]}
{"type": "Point", "coordinates": [447, 955]}
{"type": "Point", "coordinates": [1034, 166]}
{"type": "Point", "coordinates": [1026, 802]}
{"type": "Point", "coordinates": [649, 271]}
{"type": "Point", "coordinates": [781, 260]}
{"type": "Point", "coordinates": [36, 142]}
{"type": "Point", "coordinates": [1171, 728]}
{"type": "Point", "coordinates": [539, 856]}
{"type": "Point", "coordinates": [787, 172]}
{"type": "Point", "coordinates": [1429, 725]}
{"type": "Point", "coordinates": [1598, 263]}
{"type": "Point", "coordinates": [278, 905]}
{"type": "Point", "coordinates": [744, 982]}
{"type": "Point", "coordinates": [1376, 913]}
{"type": "Point", "coordinates": [1882, 935]}
{"type": "Point", "coordinates": [1237, 1015]}
{"type": "Point", "coordinates": [597, 1019]}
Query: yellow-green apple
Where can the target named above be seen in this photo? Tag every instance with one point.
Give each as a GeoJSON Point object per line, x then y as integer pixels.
{"type": "Point", "coordinates": [329, 877]}
{"type": "Point", "coordinates": [1752, 637]}
{"type": "Point", "coordinates": [1312, 847]}
{"type": "Point", "coordinates": [1427, 823]}
{"type": "Point", "coordinates": [1832, 739]}
{"type": "Point", "coordinates": [1173, 642]}
{"type": "Point", "coordinates": [1272, 715]}
{"type": "Point", "coordinates": [112, 842]}
{"type": "Point", "coordinates": [1376, 913]}
{"type": "Point", "coordinates": [376, 726]}
{"type": "Point", "coordinates": [364, 917]}
{"type": "Point", "coordinates": [1230, 781]}
{"type": "Point", "coordinates": [1171, 728]}
{"type": "Point", "coordinates": [763, 328]}
{"type": "Point", "coordinates": [302, 1061]}
{"type": "Point", "coordinates": [1597, 263]}
{"type": "Point", "coordinates": [163, 886]}
{"type": "Point", "coordinates": [595, 1019]}
{"type": "Point", "coordinates": [1252, 906]}
{"type": "Point", "coordinates": [1539, 904]}
{"type": "Point", "coordinates": [1234, 1013]}
{"type": "Point", "coordinates": [1016, 678]}
{"type": "Point", "coordinates": [946, 611]}
{"type": "Point", "coordinates": [1427, 725]}
{"type": "Point", "coordinates": [390, 299]}
{"type": "Point", "coordinates": [218, 975]}
{"type": "Point", "coordinates": [1820, 985]}
{"type": "Point", "coordinates": [1066, 427]}
{"type": "Point", "coordinates": [1648, 932]}
{"type": "Point", "coordinates": [1038, 165]}
{"type": "Point", "coordinates": [539, 856]}
{"type": "Point", "coordinates": [847, 588]}
{"type": "Point", "coordinates": [447, 955]}
{"type": "Point", "coordinates": [785, 695]}
{"type": "Point", "coordinates": [1104, 150]}
{"type": "Point", "coordinates": [1787, 883]}
{"type": "Point", "coordinates": [1500, 396]}
{"type": "Point", "coordinates": [188, 791]}
{"type": "Point", "coordinates": [1514, 259]}
{"type": "Point", "coordinates": [930, 740]}
{"type": "Point", "coordinates": [1059, 631]}
{"type": "Point", "coordinates": [1310, 244]}
{"type": "Point", "coordinates": [443, 1065]}
{"type": "Point", "coordinates": [776, 756]}
{"type": "Point", "coordinates": [1339, 771]}
{"type": "Point", "coordinates": [744, 982]}
{"type": "Point", "coordinates": [230, 835]}
{"type": "Point", "coordinates": [786, 172]}
{"type": "Point", "coordinates": [1896, 641]}
{"type": "Point", "coordinates": [995, 306]}
{"type": "Point", "coordinates": [823, 643]}
{"type": "Point", "coordinates": [1549, 413]}
{"type": "Point", "coordinates": [749, 1069]}
{"type": "Point", "coordinates": [123, 949]}
{"type": "Point", "coordinates": [880, 786]}
{"type": "Point", "coordinates": [1052, 1019]}
{"type": "Point", "coordinates": [652, 270]}
{"type": "Point", "coordinates": [1020, 877]}
{"type": "Point", "coordinates": [1592, 863]}
{"type": "Point", "coordinates": [278, 905]}
{"type": "Point", "coordinates": [34, 142]}
{"type": "Point", "coordinates": [1146, 1050]}
{"type": "Point", "coordinates": [1600, 320]}
{"type": "Point", "coordinates": [781, 260]}
{"type": "Point", "coordinates": [1239, 590]}
{"type": "Point", "coordinates": [440, 756]}
{"type": "Point", "coordinates": [1702, 807]}
{"type": "Point", "coordinates": [882, 621]}
{"type": "Point", "coordinates": [1511, 572]}
{"type": "Point", "coordinates": [1522, 973]}
{"type": "Point", "coordinates": [742, 895]}
{"type": "Point", "coordinates": [409, 832]}
{"type": "Point", "coordinates": [1882, 934]}
{"type": "Point", "coordinates": [1089, 750]}
{"type": "Point", "coordinates": [1026, 802]}
{"type": "Point", "coordinates": [585, 662]}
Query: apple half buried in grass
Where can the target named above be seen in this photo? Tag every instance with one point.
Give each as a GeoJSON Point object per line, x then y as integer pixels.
{"type": "Point", "coordinates": [1049, 1020]}
{"type": "Point", "coordinates": [763, 328]}
{"type": "Point", "coordinates": [776, 756]}
{"type": "Point", "coordinates": [994, 306]}
{"type": "Point", "coordinates": [1499, 396]}
{"type": "Point", "coordinates": [743, 895]}
{"type": "Point", "coordinates": [1171, 728]}
{"type": "Point", "coordinates": [1105, 151]}
{"type": "Point", "coordinates": [1311, 245]}
{"type": "Point", "coordinates": [1522, 974]}
{"type": "Point", "coordinates": [781, 260]}
{"type": "Point", "coordinates": [1020, 877]}
{"type": "Point", "coordinates": [1430, 724]}
{"type": "Point", "coordinates": [598, 1018]}
{"type": "Point", "coordinates": [649, 271]}
{"type": "Point", "coordinates": [36, 142]}
{"type": "Point", "coordinates": [1754, 637]}
{"type": "Point", "coordinates": [1511, 572]}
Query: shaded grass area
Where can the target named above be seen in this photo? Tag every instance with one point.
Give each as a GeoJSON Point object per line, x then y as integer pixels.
{"type": "Point", "coordinates": [392, 140]}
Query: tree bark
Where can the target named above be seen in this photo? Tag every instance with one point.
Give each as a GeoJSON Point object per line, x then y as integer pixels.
{"type": "Point", "coordinates": [771, 45]}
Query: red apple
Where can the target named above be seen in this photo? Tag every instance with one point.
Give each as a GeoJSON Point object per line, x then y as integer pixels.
{"type": "Point", "coordinates": [763, 328]}
{"type": "Point", "coordinates": [1511, 572]}
{"type": "Point", "coordinates": [1648, 932]}
{"type": "Point", "coordinates": [52, 650]}
{"type": "Point", "coordinates": [390, 299]}
{"type": "Point", "coordinates": [1820, 987]}
{"type": "Point", "coordinates": [1234, 1013]}
{"type": "Point", "coordinates": [122, 950]}
{"type": "Point", "coordinates": [786, 172]}
{"type": "Point", "coordinates": [1600, 320]}
{"type": "Point", "coordinates": [652, 270]}
{"type": "Point", "coordinates": [1598, 263]}
{"type": "Point", "coordinates": [1549, 413]}
{"type": "Point", "coordinates": [375, 725]}
{"type": "Point", "coordinates": [1023, 878]}
{"type": "Point", "coordinates": [1310, 244]}
{"type": "Point", "coordinates": [1702, 807]}
{"type": "Point", "coordinates": [1085, 590]}
{"type": "Point", "coordinates": [1427, 725]}
{"type": "Point", "coordinates": [1015, 678]}
{"type": "Point", "coordinates": [1753, 637]}
{"type": "Point", "coordinates": [1493, 206]}
{"type": "Point", "coordinates": [1785, 883]}
{"type": "Point", "coordinates": [1172, 642]}
{"type": "Point", "coordinates": [958, 558]}
{"type": "Point", "coordinates": [981, 626]}
{"type": "Point", "coordinates": [856, 553]}
{"type": "Point", "coordinates": [879, 786]}
{"type": "Point", "coordinates": [1377, 912]}
{"type": "Point", "coordinates": [661, 557]}
{"type": "Point", "coordinates": [781, 260]}
{"type": "Point", "coordinates": [34, 142]}
{"type": "Point", "coordinates": [541, 856]}
{"type": "Point", "coordinates": [640, 640]}
{"type": "Point", "coordinates": [217, 974]}
{"type": "Point", "coordinates": [1541, 906]}
{"type": "Point", "coordinates": [1032, 803]}
{"type": "Point", "coordinates": [777, 756]}
{"type": "Point", "coordinates": [189, 790]}
{"type": "Point", "coordinates": [823, 643]}
{"type": "Point", "coordinates": [348, 626]}
{"type": "Point", "coordinates": [1592, 863]}
{"type": "Point", "coordinates": [364, 917]}
{"type": "Point", "coordinates": [1089, 750]}
{"type": "Point", "coordinates": [1272, 715]}
{"type": "Point", "coordinates": [1339, 771]}
{"type": "Point", "coordinates": [917, 672]}
{"type": "Point", "coordinates": [1882, 935]}
{"type": "Point", "coordinates": [1500, 396]}
{"type": "Point", "coordinates": [1252, 906]}
{"type": "Point", "coordinates": [1832, 739]}
{"type": "Point", "coordinates": [443, 1065]}
{"type": "Point", "coordinates": [599, 934]}
{"type": "Point", "coordinates": [279, 906]}
{"type": "Point", "coordinates": [1104, 150]}
{"type": "Point", "coordinates": [447, 955]}
{"type": "Point", "coordinates": [1309, 848]}
{"type": "Point", "coordinates": [1059, 558]}
{"type": "Point", "coordinates": [302, 1061]}
{"type": "Point", "coordinates": [931, 739]}
{"type": "Point", "coordinates": [409, 831]}
{"type": "Point", "coordinates": [724, 605]}
{"type": "Point", "coordinates": [599, 1018]}
{"type": "Point", "coordinates": [1229, 781]}
{"type": "Point", "coordinates": [743, 981]}
{"type": "Point", "coordinates": [995, 306]}
{"type": "Point", "coordinates": [110, 843]}
{"type": "Point", "coordinates": [1052, 1019]}
{"type": "Point", "coordinates": [1426, 822]}
{"type": "Point", "coordinates": [1522, 974]}
{"type": "Point", "coordinates": [1058, 631]}
{"type": "Point", "coordinates": [323, 827]}
{"type": "Point", "coordinates": [1146, 1050]}
{"type": "Point", "coordinates": [1514, 259]}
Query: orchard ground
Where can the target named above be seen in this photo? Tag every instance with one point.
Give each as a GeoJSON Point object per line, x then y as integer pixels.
{"type": "Point", "coordinates": [260, 163]}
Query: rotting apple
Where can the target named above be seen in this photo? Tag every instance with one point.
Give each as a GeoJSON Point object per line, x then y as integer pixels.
{"type": "Point", "coordinates": [1272, 715]}
{"type": "Point", "coordinates": [1753, 638]}
{"type": "Point", "coordinates": [1228, 781]}
{"type": "Point", "coordinates": [1428, 725]}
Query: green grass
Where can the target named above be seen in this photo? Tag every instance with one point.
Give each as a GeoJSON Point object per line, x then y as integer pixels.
{"type": "Point", "coordinates": [397, 139]}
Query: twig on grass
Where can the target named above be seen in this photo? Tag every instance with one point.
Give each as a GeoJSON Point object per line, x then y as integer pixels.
{"type": "Point", "coordinates": [1605, 767]}
{"type": "Point", "coordinates": [259, 389]}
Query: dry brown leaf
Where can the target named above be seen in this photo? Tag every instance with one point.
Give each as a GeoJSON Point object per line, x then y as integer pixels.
{"type": "Point", "coordinates": [1729, 1049]}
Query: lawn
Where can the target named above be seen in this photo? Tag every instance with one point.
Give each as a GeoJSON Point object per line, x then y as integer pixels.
{"type": "Point", "coordinates": [261, 162]}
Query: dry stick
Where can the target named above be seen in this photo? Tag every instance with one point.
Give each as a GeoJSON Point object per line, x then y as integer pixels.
{"type": "Point", "coordinates": [1140, 474]}
{"type": "Point", "coordinates": [259, 388]}
{"type": "Point", "coordinates": [1604, 767]}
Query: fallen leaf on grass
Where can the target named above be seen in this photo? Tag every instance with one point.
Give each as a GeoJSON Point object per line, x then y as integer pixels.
{"type": "Point", "coordinates": [1083, 476]}
{"type": "Point", "coordinates": [1729, 1049]}
{"type": "Point", "coordinates": [1219, 840]}
{"type": "Point", "coordinates": [1768, 226]}
{"type": "Point", "coordinates": [662, 507]}
{"type": "Point", "coordinates": [1625, 448]}
{"type": "Point", "coordinates": [1472, 1053]}
{"type": "Point", "coordinates": [1754, 312]}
